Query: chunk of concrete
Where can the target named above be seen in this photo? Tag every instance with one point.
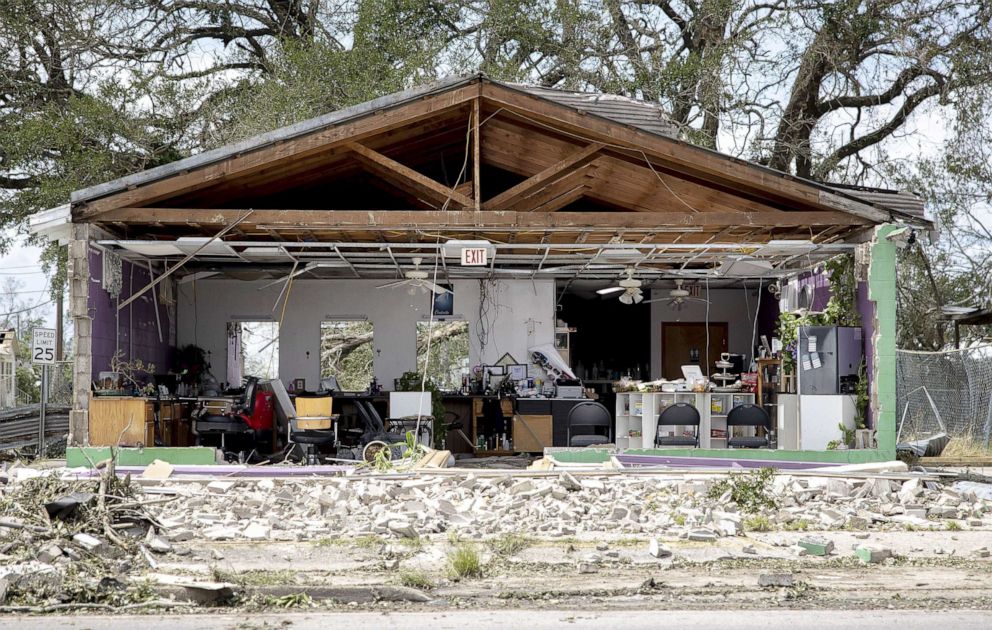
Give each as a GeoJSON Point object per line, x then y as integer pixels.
{"type": "Point", "coordinates": [777, 580]}
{"type": "Point", "coordinates": [657, 550]}
{"type": "Point", "coordinates": [87, 542]}
{"type": "Point", "coordinates": [702, 535]}
{"type": "Point", "coordinates": [402, 527]}
{"type": "Point", "coordinates": [871, 554]}
{"type": "Point", "coordinates": [220, 487]}
{"type": "Point", "coordinates": [816, 546]}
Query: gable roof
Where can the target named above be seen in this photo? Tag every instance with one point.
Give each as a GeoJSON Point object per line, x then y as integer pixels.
{"type": "Point", "coordinates": [632, 113]}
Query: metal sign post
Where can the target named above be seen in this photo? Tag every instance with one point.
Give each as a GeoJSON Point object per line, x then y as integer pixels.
{"type": "Point", "coordinates": [43, 344]}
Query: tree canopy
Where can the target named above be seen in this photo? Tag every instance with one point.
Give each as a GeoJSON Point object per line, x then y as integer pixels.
{"type": "Point", "coordinates": [851, 91]}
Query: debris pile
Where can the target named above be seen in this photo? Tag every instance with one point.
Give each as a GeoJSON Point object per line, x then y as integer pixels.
{"type": "Point", "coordinates": [70, 544]}
{"type": "Point", "coordinates": [696, 508]}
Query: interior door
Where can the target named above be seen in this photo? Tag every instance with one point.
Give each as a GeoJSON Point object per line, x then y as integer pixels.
{"type": "Point", "coordinates": [684, 343]}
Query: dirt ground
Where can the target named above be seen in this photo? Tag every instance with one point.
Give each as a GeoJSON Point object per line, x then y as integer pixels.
{"type": "Point", "coordinates": [928, 570]}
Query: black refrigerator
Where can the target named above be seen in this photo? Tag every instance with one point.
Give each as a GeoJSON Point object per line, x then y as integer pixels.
{"type": "Point", "coordinates": [828, 359]}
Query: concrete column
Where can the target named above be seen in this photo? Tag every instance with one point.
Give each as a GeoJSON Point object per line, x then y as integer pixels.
{"type": "Point", "coordinates": [79, 291]}
{"type": "Point", "coordinates": [882, 291]}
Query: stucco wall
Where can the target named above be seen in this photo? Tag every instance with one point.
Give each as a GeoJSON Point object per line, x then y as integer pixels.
{"type": "Point", "coordinates": [726, 305]}
{"type": "Point", "coordinates": [206, 306]}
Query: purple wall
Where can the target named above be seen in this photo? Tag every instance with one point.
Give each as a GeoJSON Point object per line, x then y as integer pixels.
{"type": "Point", "coordinates": [821, 295]}
{"type": "Point", "coordinates": [821, 288]}
{"type": "Point", "coordinates": [867, 309]}
{"type": "Point", "coordinates": [768, 315]}
{"type": "Point", "coordinates": [133, 330]}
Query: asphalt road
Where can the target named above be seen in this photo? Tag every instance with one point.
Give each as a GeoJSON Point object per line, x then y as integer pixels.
{"type": "Point", "coordinates": [529, 619]}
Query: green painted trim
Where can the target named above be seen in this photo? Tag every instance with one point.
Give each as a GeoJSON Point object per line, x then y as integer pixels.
{"type": "Point", "coordinates": [882, 291]}
{"type": "Point", "coordinates": [76, 456]}
{"type": "Point", "coordinates": [852, 456]}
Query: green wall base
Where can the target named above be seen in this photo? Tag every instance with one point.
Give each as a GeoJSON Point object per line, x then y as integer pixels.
{"type": "Point", "coordinates": [859, 456]}
{"type": "Point", "coordinates": [193, 455]}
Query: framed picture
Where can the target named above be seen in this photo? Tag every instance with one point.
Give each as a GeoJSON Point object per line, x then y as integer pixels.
{"type": "Point", "coordinates": [495, 370]}
{"type": "Point", "coordinates": [443, 304]}
{"type": "Point", "coordinates": [517, 372]}
{"type": "Point", "coordinates": [506, 359]}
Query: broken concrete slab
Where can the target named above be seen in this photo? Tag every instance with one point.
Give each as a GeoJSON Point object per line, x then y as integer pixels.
{"type": "Point", "coordinates": [872, 554]}
{"type": "Point", "coordinates": [816, 546]}
{"type": "Point", "coordinates": [777, 580]}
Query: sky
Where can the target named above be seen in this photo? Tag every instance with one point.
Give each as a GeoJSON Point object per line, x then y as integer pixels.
{"type": "Point", "coordinates": [22, 262]}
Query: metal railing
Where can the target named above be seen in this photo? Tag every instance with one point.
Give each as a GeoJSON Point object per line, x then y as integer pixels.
{"type": "Point", "coordinates": [21, 411]}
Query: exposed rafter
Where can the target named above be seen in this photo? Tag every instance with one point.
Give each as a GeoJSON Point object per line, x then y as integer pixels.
{"type": "Point", "coordinates": [408, 179]}
{"type": "Point", "coordinates": [557, 170]}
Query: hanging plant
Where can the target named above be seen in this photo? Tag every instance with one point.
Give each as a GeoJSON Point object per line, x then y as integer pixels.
{"type": "Point", "coordinates": [841, 309]}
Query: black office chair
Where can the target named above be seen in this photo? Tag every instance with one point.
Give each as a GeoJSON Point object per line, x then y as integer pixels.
{"type": "Point", "coordinates": [678, 414]}
{"type": "Point", "coordinates": [583, 420]}
{"type": "Point", "coordinates": [374, 427]}
{"type": "Point", "coordinates": [310, 439]}
{"type": "Point", "coordinates": [748, 415]}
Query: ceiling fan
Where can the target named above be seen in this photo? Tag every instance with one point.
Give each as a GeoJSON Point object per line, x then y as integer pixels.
{"type": "Point", "coordinates": [630, 286]}
{"type": "Point", "coordinates": [678, 297]}
{"type": "Point", "coordinates": [414, 279]}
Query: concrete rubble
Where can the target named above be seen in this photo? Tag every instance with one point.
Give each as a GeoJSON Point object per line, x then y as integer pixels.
{"type": "Point", "coordinates": [551, 506]}
{"type": "Point", "coordinates": [678, 516]}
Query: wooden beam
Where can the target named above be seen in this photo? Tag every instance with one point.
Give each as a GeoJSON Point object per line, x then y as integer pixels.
{"type": "Point", "coordinates": [550, 174]}
{"type": "Point", "coordinates": [550, 198]}
{"type": "Point", "coordinates": [476, 157]}
{"type": "Point", "coordinates": [674, 153]}
{"type": "Point", "coordinates": [409, 179]}
{"type": "Point", "coordinates": [420, 219]}
{"type": "Point", "coordinates": [371, 124]}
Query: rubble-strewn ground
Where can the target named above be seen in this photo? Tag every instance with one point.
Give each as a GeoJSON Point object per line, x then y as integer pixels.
{"type": "Point", "coordinates": [592, 540]}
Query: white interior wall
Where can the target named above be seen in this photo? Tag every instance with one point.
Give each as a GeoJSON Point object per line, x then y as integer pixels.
{"type": "Point", "coordinates": [204, 311]}
{"type": "Point", "coordinates": [734, 306]}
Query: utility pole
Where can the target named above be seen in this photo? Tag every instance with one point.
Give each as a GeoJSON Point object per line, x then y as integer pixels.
{"type": "Point", "coordinates": [59, 344]}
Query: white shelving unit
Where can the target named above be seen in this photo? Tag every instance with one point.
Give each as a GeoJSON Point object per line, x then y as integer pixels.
{"type": "Point", "coordinates": [637, 416]}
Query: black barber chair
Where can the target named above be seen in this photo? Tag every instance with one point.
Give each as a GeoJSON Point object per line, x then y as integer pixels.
{"type": "Point", "coordinates": [228, 425]}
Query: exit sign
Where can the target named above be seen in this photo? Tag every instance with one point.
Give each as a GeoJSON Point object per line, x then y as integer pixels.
{"type": "Point", "coordinates": [474, 257]}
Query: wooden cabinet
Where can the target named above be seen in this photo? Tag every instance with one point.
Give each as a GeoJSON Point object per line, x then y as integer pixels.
{"type": "Point", "coordinates": [123, 421]}
{"type": "Point", "coordinates": [531, 433]}
{"type": "Point", "coordinates": [128, 421]}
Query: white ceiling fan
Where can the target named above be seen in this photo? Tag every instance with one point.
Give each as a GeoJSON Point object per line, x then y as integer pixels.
{"type": "Point", "coordinates": [630, 286]}
{"type": "Point", "coordinates": [414, 279]}
{"type": "Point", "coordinates": [678, 297]}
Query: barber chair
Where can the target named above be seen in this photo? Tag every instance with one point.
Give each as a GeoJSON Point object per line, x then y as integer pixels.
{"type": "Point", "coordinates": [251, 416]}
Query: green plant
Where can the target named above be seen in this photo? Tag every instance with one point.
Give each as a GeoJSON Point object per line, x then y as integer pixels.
{"type": "Point", "coordinates": [464, 562]}
{"type": "Point", "coordinates": [847, 438]}
{"type": "Point", "coordinates": [758, 523]}
{"type": "Point", "coordinates": [798, 525]}
{"type": "Point", "coordinates": [415, 382]}
{"type": "Point", "coordinates": [293, 600]}
{"type": "Point", "coordinates": [750, 491]}
{"type": "Point", "coordinates": [953, 526]}
{"type": "Point", "coordinates": [841, 309]}
{"type": "Point", "coordinates": [130, 372]}
{"type": "Point", "coordinates": [508, 544]}
{"type": "Point", "coordinates": [679, 520]}
{"type": "Point", "coordinates": [382, 458]}
{"type": "Point", "coordinates": [861, 396]}
{"type": "Point", "coordinates": [416, 579]}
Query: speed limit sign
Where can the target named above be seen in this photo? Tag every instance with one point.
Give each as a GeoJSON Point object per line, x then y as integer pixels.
{"type": "Point", "coordinates": [43, 346]}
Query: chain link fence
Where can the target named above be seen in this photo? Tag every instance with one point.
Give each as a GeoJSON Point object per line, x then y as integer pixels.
{"type": "Point", "coordinates": [18, 391]}
{"type": "Point", "coordinates": [947, 391]}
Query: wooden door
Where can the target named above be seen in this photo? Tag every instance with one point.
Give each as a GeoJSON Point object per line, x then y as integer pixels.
{"type": "Point", "coordinates": [684, 343]}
